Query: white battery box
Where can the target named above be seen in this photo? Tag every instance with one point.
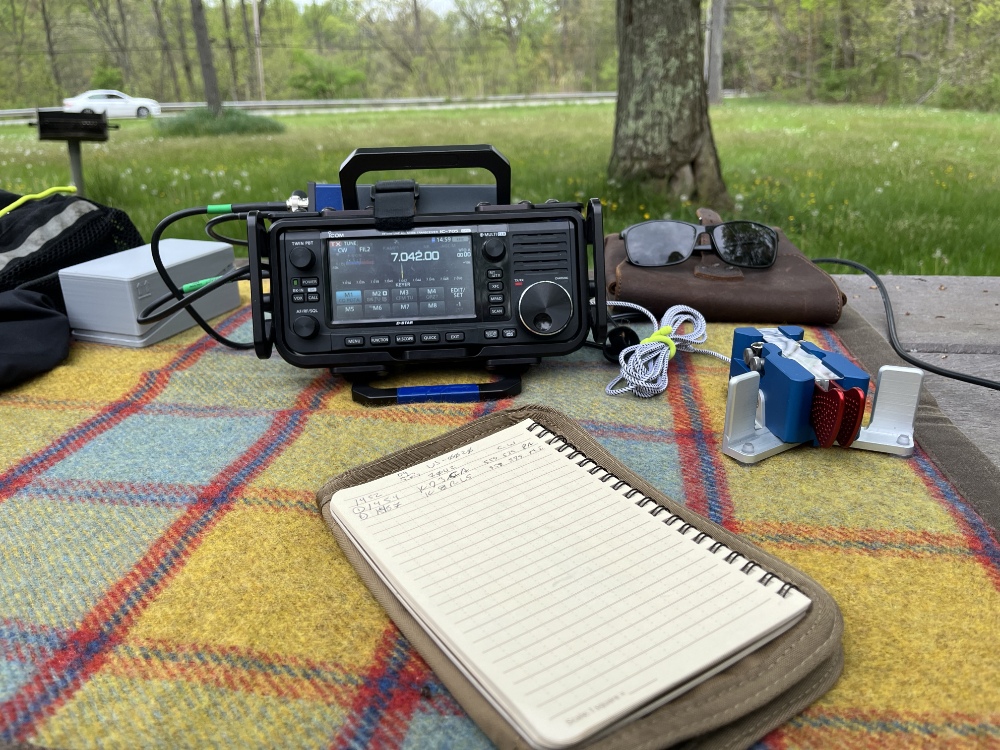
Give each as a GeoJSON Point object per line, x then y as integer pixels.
{"type": "Point", "coordinates": [105, 296]}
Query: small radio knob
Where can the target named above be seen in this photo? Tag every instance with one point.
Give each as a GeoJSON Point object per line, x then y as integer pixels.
{"type": "Point", "coordinates": [301, 257]}
{"type": "Point", "coordinates": [545, 308]}
{"type": "Point", "coordinates": [305, 326]}
{"type": "Point", "coordinates": [494, 249]}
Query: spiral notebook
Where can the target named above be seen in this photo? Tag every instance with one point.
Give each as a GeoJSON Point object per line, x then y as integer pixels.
{"type": "Point", "coordinates": [572, 602]}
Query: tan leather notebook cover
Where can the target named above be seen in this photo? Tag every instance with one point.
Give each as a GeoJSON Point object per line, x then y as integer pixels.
{"type": "Point", "coordinates": [732, 709]}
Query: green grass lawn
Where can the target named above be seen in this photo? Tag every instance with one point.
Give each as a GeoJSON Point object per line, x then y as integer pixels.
{"type": "Point", "coordinates": [905, 190]}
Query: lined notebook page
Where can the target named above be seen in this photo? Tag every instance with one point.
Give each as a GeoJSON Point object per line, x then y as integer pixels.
{"type": "Point", "coordinates": [568, 605]}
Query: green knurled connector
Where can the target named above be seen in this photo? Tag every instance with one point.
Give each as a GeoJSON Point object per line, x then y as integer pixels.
{"type": "Point", "coordinates": [195, 285]}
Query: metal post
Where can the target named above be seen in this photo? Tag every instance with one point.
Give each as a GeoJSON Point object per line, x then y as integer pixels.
{"type": "Point", "coordinates": [76, 165]}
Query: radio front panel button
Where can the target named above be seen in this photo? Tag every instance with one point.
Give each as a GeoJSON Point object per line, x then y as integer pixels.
{"type": "Point", "coordinates": [349, 297]}
{"type": "Point", "coordinates": [377, 310]}
{"type": "Point", "coordinates": [498, 311]}
{"type": "Point", "coordinates": [495, 286]}
{"type": "Point", "coordinates": [305, 326]}
{"type": "Point", "coordinates": [510, 333]}
{"type": "Point", "coordinates": [430, 338]}
{"type": "Point", "coordinates": [454, 336]}
{"type": "Point", "coordinates": [404, 295]}
{"type": "Point", "coordinates": [496, 299]}
{"type": "Point", "coordinates": [428, 293]}
{"type": "Point", "coordinates": [376, 295]}
{"type": "Point", "coordinates": [301, 257]}
{"type": "Point", "coordinates": [310, 282]}
{"type": "Point", "coordinates": [354, 340]}
{"type": "Point", "coordinates": [494, 249]}
{"type": "Point", "coordinates": [312, 298]}
{"type": "Point", "coordinates": [404, 309]}
{"type": "Point", "coordinates": [350, 312]}
{"type": "Point", "coordinates": [405, 338]}
{"type": "Point", "coordinates": [491, 333]}
{"type": "Point", "coordinates": [298, 298]}
{"type": "Point", "coordinates": [378, 340]}
{"type": "Point", "coordinates": [432, 308]}
{"type": "Point", "coordinates": [494, 273]}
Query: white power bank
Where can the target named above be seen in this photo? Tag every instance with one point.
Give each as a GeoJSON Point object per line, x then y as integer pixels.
{"type": "Point", "coordinates": [105, 296]}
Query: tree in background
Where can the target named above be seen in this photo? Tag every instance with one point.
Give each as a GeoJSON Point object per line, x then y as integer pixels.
{"type": "Point", "coordinates": [204, 44]}
{"type": "Point", "coordinates": [662, 133]}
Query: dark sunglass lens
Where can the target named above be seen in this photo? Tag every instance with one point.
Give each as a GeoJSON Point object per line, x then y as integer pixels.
{"type": "Point", "coordinates": [659, 243]}
{"type": "Point", "coordinates": [746, 243]}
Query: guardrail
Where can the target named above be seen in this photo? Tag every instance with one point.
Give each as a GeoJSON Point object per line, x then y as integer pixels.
{"type": "Point", "coordinates": [306, 106]}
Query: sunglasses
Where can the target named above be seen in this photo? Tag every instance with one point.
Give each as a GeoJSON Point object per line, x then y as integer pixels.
{"type": "Point", "coordinates": [661, 242]}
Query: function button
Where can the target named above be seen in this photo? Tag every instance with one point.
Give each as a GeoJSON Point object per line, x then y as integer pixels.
{"type": "Point", "coordinates": [495, 286]}
{"type": "Point", "coordinates": [349, 297]}
{"type": "Point", "coordinates": [428, 293]}
{"type": "Point", "coordinates": [310, 282]}
{"type": "Point", "coordinates": [498, 311]}
{"type": "Point", "coordinates": [496, 299]}
{"type": "Point", "coordinates": [405, 338]}
{"type": "Point", "coordinates": [510, 333]}
{"type": "Point", "coordinates": [312, 298]}
{"type": "Point", "coordinates": [491, 333]}
{"type": "Point", "coordinates": [430, 338]}
{"type": "Point", "coordinates": [298, 298]}
{"type": "Point", "coordinates": [378, 340]}
{"type": "Point", "coordinates": [376, 295]}
{"type": "Point", "coordinates": [354, 340]}
{"type": "Point", "coordinates": [494, 273]}
{"type": "Point", "coordinates": [404, 295]}
{"type": "Point", "coordinates": [454, 336]}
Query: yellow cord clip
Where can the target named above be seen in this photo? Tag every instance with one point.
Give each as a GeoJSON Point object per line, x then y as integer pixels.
{"type": "Point", "coordinates": [663, 336]}
{"type": "Point", "coordinates": [37, 196]}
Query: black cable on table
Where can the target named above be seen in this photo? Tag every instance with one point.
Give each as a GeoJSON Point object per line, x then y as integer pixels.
{"type": "Point", "coordinates": [894, 341]}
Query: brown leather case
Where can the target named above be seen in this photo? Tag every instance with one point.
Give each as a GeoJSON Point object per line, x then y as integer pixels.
{"type": "Point", "coordinates": [793, 290]}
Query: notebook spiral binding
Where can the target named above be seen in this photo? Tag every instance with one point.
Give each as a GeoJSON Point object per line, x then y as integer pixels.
{"type": "Point", "coordinates": [731, 557]}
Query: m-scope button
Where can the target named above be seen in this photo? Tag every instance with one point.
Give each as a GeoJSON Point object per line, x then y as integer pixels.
{"type": "Point", "coordinates": [405, 338]}
{"type": "Point", "coordinates": [379, 340]}
{"type": "Point", "coordinates": [430, 338]}
{"type": "Point", "coordinates": [354, 341]}
{"type": "Point", "coordinates": [454, 336]}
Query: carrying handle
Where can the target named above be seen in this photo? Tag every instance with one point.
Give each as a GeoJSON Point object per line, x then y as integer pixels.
{"type": "Point", "coordinates": [480, 156]}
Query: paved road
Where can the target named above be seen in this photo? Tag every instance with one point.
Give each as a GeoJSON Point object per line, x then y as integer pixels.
{"type": "Point", "coordinates": [950, 321]}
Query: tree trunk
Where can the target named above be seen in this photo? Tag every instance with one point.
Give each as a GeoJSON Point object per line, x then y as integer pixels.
{"type": "Point", "coordinates": [182, 43]}
{"type": "Point", "coordinates": [846, 42]}
{"type": "Point", "coordinates": [249, 38]}
{"type": "Point", "coordinates": [715, 52]}
{"type": "Point", "coordinates": [258, 14]}
{"type": "Point", "coordinates": [165, 52]}
{"type": "Point", "coordinates": [127, 72]}
{"type": "Point", "coordinates": [233, 64]}
{"type": "Point", "coordinates": [662, 131]}
{"type": "Point", "coordinates": [204, 45]}
{"type": "Point", "coordinates": [50, 48]}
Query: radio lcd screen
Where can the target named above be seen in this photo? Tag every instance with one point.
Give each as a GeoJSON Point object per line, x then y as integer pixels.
{"type": "Point", "coordinates": [401, 278]}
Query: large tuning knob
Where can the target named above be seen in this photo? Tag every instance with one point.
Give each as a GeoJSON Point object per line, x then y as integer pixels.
{"type": "Point", "coordinates": [545, 308]}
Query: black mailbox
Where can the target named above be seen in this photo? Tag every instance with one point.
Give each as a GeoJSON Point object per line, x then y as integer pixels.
{"type": "Point", "coordinates": [56, 125]}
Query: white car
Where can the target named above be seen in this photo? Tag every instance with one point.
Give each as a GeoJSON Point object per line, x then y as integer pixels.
{"type": "Point", "coordinates": [115, 103]}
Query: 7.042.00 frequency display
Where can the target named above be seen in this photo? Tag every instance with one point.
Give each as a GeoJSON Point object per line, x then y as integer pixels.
{"type": "Point", "coordinates": [401, 278]}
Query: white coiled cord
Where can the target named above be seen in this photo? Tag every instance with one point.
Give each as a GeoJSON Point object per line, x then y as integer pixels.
{"type": "Point", "coordinates": [644, 366]}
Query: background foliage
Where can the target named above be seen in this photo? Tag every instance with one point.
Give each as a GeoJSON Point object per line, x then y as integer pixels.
{"type": "Point", "coordinates": [943, 52]}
